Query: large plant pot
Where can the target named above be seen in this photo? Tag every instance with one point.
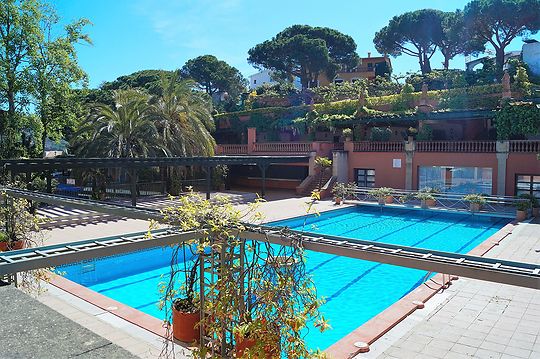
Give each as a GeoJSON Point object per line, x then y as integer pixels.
{"type": "Point", "coordinates": [536, 211]}
{"type": "Point", "coordinates": [338, 200]}
{"type": "Point", "coordinates": [475, 207]}
{"type": "Point", "coordinates": [426, 203]}
{"type": "Point", "coordinates": [185, 326]}
{"type": "Point", "coordinates": [382, 201]}
{"type": "Point", "coordinates": [389, 199]}
{"type": "Point", "coordinates": [243, 344]}
{"type": "Point", "coordinates": [521, 215]}
{"type": "Point", "coordinates": [4, 247]}
{"type": "Point", "coordinates": [431, 202]}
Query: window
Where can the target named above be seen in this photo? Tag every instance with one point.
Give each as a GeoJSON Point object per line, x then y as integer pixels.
{"type": "Point", "coordinates": [365, 177]}
{"type": "Point", "coordinates": [528, 184]}
{"type": "Point", "coordinates": [456, 179]}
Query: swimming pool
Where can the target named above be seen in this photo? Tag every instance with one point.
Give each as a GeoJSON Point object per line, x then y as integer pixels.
{"type": "Point", "coordinates": [355, 290]}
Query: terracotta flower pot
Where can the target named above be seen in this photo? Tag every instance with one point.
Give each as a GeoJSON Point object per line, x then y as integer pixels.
{"type": "Point", "coordinates": [13, 246]}
{"type": "Point", "coordinates": [521, 215]}
{"type": "Point", "coordinates": [185, 326]}
{"type": "Point", "coordinates": [431, 202]}
{"type": "Point", "coordinates": [244, 344]}
{"type": "Point", "coordinates": [475, 207]}
{"type": "Point", "coordinates": [382, 201]}
{"type": "Point", "coordinates": [389, 199]}
{"type": "Point", "coordinates": [338, 200]}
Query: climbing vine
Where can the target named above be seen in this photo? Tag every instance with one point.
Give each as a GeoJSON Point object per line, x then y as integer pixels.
{"type": "Point", "coordinates": [517, 119]}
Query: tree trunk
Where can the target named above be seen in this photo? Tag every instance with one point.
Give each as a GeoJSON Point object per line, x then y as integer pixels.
{"type": "Point", "coordinates": [426, 66]}
{"type": "Point", "coordinates": [499, 58]}
{"type": "Point", "coordinates": [446, 63]}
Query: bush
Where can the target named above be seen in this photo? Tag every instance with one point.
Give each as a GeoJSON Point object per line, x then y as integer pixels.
{"type": "Point", "coordinates": [474, 198]}
{"type": "Point", "coordinates": [517, 120]}
{"type": "Point", "coordinates": [280, 89]}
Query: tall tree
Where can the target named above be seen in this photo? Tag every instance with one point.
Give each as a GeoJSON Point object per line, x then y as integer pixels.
{"type": "Point", "coordinates": [498, 22]}
{"type": "Point", "coordinates": [413, 33]}
{"type": "Point", "coordinates": [54, 69]}
{"type": "Point", "coordinates": [455, 40]}
{"type": "Point", "coordinates": [183, 119]}
{"type": "Point", "coordinates": [19, 34]}
{"type": "Point", "coordinates": [304, 51]}
{"type": "Point", "coordinates": [126, 130]}
{"type": "Point", "coordinates": [214, 75]}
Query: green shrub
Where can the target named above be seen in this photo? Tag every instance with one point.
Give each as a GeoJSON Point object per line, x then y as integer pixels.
{"type": "Point", "coordinates": [380, 134]}
{"type": "Point", "coordinates": [517, 119]}
{"type": "Point", "coordinates": [474, 198]}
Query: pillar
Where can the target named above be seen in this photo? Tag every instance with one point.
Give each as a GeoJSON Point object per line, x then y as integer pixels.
{"type": "Point", "coordinates": [251, 139]}
{"type": "Point", "coordinates": [263, 168]}
{"type": "Point", "coordinates": [503, 148]}
{"type": "Point", "coordinates": [410, 147]}
{"type": "Point", "coordinates": [340, 166]}
{"type": "Point", "coordinates": [133, 186]}
{"type": "Point", "coordinates": [312, 166]}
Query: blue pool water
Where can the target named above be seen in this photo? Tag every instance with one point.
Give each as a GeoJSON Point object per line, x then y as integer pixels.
{"type": "Point", "coordinates": [355, 290]}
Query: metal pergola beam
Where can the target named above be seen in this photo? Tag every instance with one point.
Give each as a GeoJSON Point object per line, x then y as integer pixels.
{"type": "Point", "coordinates": [488, 269]}
{"type": "Point", "coordinates": [70, 163]}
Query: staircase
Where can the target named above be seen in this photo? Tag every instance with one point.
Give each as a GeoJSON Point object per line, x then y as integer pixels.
{"type": "Point", "coordinates": [314, 183]}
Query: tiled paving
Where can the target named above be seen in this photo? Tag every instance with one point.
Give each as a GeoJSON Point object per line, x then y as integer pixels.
{"type": "Point", "coordinates": [478, 319]}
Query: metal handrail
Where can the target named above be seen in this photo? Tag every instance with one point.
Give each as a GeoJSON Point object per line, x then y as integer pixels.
{"type": "Point", "coordinates": [450, 201]}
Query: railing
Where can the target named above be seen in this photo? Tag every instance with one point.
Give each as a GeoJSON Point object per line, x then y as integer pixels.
{"type": "Point", "coordinates": [502, 205]}
{"type": "Point", "coordinates": [372, 146]}
{"type": "Point", "coordinates": [232, 149]}
{"type": "Point", "coordinates": [287, 147]}
{"type": "Point", "coordinates": [457, 146]}
{"type": "Point", "coordinates": [524, 146]}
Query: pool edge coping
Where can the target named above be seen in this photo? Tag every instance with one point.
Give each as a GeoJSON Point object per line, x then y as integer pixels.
{"type": "Point", "coordinates": [383, 322]}
{"type": "Point", "coordinates": [367, 333]}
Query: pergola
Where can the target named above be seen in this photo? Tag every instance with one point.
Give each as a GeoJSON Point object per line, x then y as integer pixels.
{"type": "Point", "coordinates": [29, 166]}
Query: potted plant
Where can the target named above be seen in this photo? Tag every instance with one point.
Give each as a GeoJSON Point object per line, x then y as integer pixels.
{"type": "Point", "coordinates": [411, 134]}
{"type": "Point", "coordinates": [255, 296]}
{"type": "Point", "coordinates": [186, 313]}
{"type": "Point", "coordinates": [382, 194]}
{"type": "Point", "coordinates": [347, 133]}
{"type": "Point", "coordinates": [342, 191]}
{"type": "Point", "coordinates": [404, 199]}
{"type": "Point", "coordinates": [476, 201]}
{"type": "Point", "coordinates": [426, 199]}
{"type": "Point", "coordinates": [535, 205]}
{"type": "Point", "coordinates": [220, 177]}
{"type": "Point", "coordinates": [18, 227]}
{"type": "Point", "coordinates": [522, 210]}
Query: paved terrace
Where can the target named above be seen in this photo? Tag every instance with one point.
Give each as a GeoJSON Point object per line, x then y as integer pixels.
{"type": "Point", "coordinates": [476, 319]}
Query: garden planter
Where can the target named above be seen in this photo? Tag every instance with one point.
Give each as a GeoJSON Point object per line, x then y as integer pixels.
{"type": "Point", "coordinates": [389, 199]}
{"type": "Point", "coordinates": [244, 344]}
{"type": "Point", "coordinates": [185, 326]}
{"type": "Point", "coordinates": [426, 203]}
{"type": "Point", "coordinates": [338, 200]}
{"type": "Point", "coordinates": [521, 215]}
{"type": "Point", "coordinates": [475, 207]}
{"type": "Point", "coordinates": [536, 211]}
{"type": "Point", "coordinates": [382, 201]}
{"type": "Point", "coordinates": [4, 247]}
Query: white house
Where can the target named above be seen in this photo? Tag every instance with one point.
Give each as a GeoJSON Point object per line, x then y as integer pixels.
{"type": "Point", "coordinates": [265, 77]}
{"type": "Point", "coordinates": [531, 55]}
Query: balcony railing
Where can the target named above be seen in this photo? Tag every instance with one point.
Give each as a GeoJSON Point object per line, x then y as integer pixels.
{"type": "Point", "coordinates": [287, 147]}
{"type": "Point", "coordinates": [369, 146]}
{"type": "Point", "coordinates": [457, 146]}
{"type": "Point", "coordinates": [232, 149]}
{"type": "Point", "coordinates": [524, 146]}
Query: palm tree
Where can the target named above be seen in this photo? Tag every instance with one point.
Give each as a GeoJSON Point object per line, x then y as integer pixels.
{"type": "Point", "coordinates": [183, 118]}
{"type": "Point", "coordinates": [125, 131]}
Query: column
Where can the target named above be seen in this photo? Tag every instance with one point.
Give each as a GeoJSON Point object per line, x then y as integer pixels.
{"type": "Point", "coordinates": [410, 147]}
{"type": "Point", "coordinates": [503, 148]}
{"type": "Point", "coordinates": [340, 166]}
{"type": "Point", "coordinates": [251, 139]}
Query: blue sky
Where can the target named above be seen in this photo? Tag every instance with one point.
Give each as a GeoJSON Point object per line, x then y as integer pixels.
{"type": "Point", "coordinates": [132, 35]}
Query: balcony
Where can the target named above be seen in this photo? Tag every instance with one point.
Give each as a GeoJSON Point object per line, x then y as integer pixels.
{"type": "Point", "coordinates": [371, 146]}
{"type": "Point", "coordinates": [457, 146]}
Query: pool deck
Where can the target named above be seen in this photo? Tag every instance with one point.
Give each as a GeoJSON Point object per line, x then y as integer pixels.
{"type": "Point", "coordinates": [475, 319]}
{"type": "Point", "coordinates": [443, 328]}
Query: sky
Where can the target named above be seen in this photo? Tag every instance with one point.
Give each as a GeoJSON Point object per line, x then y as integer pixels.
{"type": "Point", "coordinates": [133, 35]}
